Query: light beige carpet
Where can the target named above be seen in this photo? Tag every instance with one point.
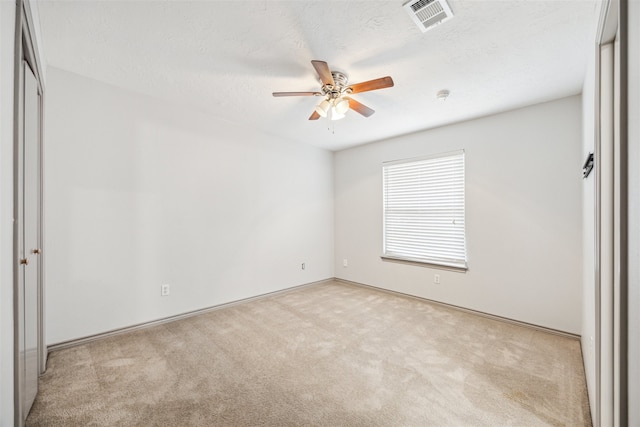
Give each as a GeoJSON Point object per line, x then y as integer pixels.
{"type": "Point", "coordinates": [328, 355]}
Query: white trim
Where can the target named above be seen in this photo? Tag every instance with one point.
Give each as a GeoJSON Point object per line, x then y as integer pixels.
{"type": "Point", "coordinates": [440, 266]}
{"type": "Point", "coordinates": [606, 261]}
{"type": "Point", "coordinates": [608, 22]}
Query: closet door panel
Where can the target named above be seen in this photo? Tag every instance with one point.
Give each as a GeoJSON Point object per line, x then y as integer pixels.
{"type": "Point", "coordinates": [31, 188]}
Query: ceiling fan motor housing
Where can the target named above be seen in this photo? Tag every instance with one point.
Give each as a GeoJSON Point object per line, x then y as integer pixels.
{"type": "Point", "coordinates": [339, 78]}
{"type": "Point", "coordinates": [339, 87]}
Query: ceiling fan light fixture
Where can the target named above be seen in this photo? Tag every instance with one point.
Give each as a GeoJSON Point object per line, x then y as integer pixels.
{"type": "Point", "coordinates": [335, 92]}
{"type": "Point", "coordinates": [323, 108]}
{"type": "Point", "coordinates": [342, 106]}
{"type": "Point", "coordinates": [335, 115]}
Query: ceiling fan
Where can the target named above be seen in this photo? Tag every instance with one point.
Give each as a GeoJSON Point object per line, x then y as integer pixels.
{"type": "Point", "coordinates": [335, 90]}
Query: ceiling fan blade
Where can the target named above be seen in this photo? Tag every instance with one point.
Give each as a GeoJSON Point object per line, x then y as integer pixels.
{"type": "Point", "coordinates": [360, 108]}
{"type": "Point", "coordinates": [380, 83]}
{"type": "Point", "coordinates": [296, 94]}
{"type": "Point", "coordinates": [324, 72]}
{"type": "Point", "coordinates": [314, 116]}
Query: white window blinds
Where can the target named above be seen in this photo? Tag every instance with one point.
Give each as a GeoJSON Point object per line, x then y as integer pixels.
{"type": "Point", "coordinates": [423, 203]}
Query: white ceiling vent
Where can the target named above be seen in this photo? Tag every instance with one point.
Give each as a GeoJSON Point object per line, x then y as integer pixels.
{"type": "Point", "coordinates": [428, 13]}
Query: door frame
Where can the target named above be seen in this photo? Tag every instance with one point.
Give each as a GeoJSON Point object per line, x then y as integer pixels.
{"type": "Point", "coordinates": [611, 217]}
{"type": "Point", "coordinates": [26, 50]}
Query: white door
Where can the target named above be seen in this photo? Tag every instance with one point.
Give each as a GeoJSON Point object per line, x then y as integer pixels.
{"type": "Point", "coordinates": [29, 238]}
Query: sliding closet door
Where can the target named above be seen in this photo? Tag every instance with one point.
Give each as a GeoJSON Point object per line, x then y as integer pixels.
{"type": "Point", "coordinates": [29, 348]}
{"type": "Point", "coordinates": [605, 215]}
{"type": "Point", "coordinates": [633, 191]}
{"type": "Point", "coordinates": [28, 243]}
{"type": "Point", "coordinates": [31, 246]}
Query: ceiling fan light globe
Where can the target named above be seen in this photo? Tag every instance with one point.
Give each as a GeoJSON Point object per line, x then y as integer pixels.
{"type": "Point", "coordinates": [323, 108]}
{"type": "Point", "coordinates": [335, 114]}
{"type": "Point", "coordinates": [342, 105]}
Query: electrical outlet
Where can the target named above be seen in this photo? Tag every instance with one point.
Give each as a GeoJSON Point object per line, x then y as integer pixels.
{"type": "Point", "coordinates": [165, 290]}
{"type": "Point", "coordinates": [345, 262]}
{"type": "Point", "coordinates": [303, 266]}
{"type": "Point", "coordinates": [436, 279]}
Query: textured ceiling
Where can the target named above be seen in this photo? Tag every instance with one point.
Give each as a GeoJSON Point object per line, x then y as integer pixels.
{"type": "Point", "coordinates": [226, 57]}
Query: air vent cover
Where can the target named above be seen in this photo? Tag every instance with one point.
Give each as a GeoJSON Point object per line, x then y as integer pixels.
{"type": "Point", "coordinates": [428, 13]}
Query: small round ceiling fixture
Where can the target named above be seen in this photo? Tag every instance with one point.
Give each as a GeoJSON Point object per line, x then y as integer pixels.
{"type": "Point", "coordinates": [442, 95]}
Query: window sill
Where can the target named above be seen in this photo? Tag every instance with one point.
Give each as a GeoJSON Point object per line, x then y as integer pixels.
{"type": "Point", "coordinates": [425, 264]}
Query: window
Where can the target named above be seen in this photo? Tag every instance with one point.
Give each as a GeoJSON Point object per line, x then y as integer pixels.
{"type": "Point", "coordinates": [423, 210]}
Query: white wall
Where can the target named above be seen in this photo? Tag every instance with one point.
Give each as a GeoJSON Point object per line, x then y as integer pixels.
{"type": "Point", "coordinates": [7, 49]}
{"type": "Point", "coordinates": [523, 212]}
{"type": "Point", "coordinates": [140, 192]}
{"type": "Point", "coordinates": [588, 333]}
